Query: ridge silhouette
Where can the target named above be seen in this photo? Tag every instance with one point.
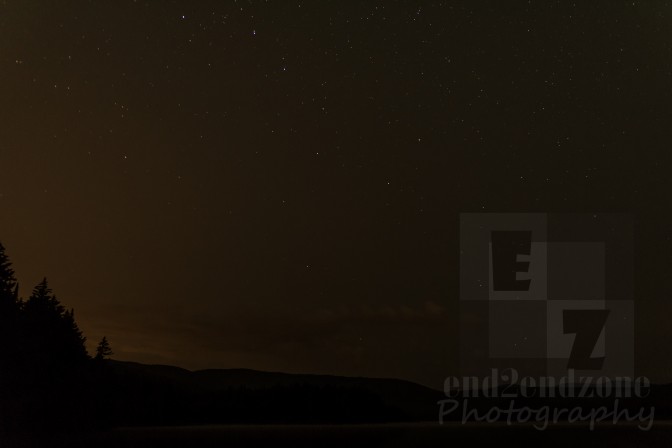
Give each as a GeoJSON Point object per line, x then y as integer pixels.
{"type": "Point", "coordinates": [49, 383]}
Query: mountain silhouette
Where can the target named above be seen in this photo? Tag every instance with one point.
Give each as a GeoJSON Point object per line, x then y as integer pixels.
{"type": "Point", "coordinates": [142, 394]}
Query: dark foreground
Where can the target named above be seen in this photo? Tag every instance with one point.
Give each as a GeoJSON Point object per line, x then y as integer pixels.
{"type": "Point", "coordinates": [392, 435]}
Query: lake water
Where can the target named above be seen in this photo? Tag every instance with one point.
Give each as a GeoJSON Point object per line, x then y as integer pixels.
{"type": "Point", "coordinates": [392, 435]}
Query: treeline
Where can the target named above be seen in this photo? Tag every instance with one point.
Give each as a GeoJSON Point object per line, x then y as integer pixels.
{"type": "Point", "coordinates": [47, 378]}
{"type": "Point", "coordinates": [48, 381]}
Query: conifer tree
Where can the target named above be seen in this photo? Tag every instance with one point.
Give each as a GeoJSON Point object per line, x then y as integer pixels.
{"type": "Point", "coordinates": [51, 332]}
{"type": "Point", "coordinates": [9, 311]}
{"type": "Point", "coordinates": [103, 350]}
{"type": "Point", "coordinates": [9, 291]}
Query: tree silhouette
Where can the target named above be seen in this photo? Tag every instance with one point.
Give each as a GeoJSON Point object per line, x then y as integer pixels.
{"type": "Point", "coordinates": [103, 350]}
{"type": "Point", "coordinates": [51, 333]}
{"type": "Point", "coordinates": [8, 283]}
{"type": "Point", "coordinates": [9, 314]}
{"type": "Point", "coordinates": [73, 337]}
{"type": "Point", "coordinates": [48, 383]}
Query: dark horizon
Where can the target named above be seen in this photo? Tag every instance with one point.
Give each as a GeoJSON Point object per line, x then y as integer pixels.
{"type": "Point", "coordinates": [278, 186]}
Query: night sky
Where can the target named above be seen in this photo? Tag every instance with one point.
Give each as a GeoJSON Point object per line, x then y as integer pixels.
{"type": "Point", "coordinates": [277, 185]}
